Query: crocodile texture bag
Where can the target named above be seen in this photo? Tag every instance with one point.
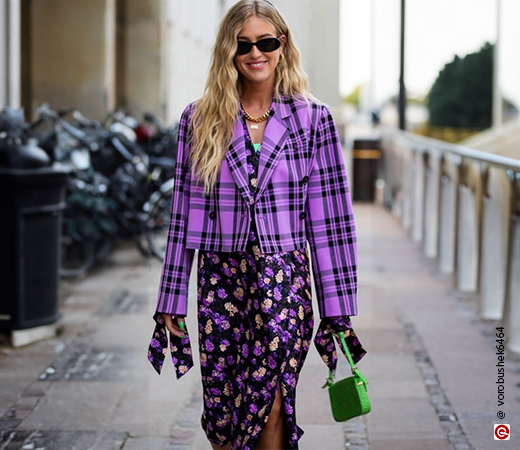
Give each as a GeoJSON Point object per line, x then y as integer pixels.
{"type": "Point", "coordinates": [348, 397]}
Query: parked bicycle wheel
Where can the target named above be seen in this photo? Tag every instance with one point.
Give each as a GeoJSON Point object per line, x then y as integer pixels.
{"type": "Point", "coordinates": [77, 258]}
{"type": "Point", "coordinates": [158, 224]}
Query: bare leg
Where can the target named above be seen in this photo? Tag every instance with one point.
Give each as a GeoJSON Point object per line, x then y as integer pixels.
{"type": "Point", "coordinates": [272, 437]}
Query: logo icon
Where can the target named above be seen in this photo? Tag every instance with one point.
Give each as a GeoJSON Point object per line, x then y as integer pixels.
{"type": "Point", "coordinates": [502, 432]}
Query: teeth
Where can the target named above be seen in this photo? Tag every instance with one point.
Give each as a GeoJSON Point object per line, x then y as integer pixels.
{"type": "Point", "coordinates": [257, 64]}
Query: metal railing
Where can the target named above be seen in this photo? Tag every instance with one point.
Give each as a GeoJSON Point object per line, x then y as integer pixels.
{"type": "Point", "coordinates": [463, 205]}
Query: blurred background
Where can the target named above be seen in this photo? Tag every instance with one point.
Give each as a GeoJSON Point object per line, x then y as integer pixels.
{"type": "Point", "coordinates": [153, 55]}
{"type": "Point", "coordinates": [426, 96]}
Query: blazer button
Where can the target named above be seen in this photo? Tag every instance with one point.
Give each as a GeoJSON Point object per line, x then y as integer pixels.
{"type": "Point", "coordinates": [303, 215]}
{"type": "Point", "coordinates": [212, 214]}
{"type": "Point", "coordinates": [305, 179]}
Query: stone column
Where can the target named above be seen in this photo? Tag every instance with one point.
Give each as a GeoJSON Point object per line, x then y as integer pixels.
{"type": "Point", "coordinates": [72, 55]}
{"type": "Point", "coordinates": [141, 70]}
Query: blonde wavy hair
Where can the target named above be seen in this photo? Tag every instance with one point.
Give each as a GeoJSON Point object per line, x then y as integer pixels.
{"type": "Point", "coordinates": [215, 112]}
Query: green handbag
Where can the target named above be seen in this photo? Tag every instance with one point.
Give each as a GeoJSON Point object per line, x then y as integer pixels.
{"type": "Point", "coordinates": [348, 397]}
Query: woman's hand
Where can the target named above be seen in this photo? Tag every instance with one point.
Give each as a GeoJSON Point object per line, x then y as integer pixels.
{"type": "Point", "coordinates": [173, 324]}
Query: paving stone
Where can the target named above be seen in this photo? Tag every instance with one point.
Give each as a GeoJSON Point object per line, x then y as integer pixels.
{"type": "Point", "coordinates": [146, 442]}
{"type": "Point", "coordinates": [85, 363]}
{"type": "Point", "coordinates": [321, 437]}
{"type": "Point", "coordinates": [9, 424]}
{"type": "Point", "coordinates": [396, 389]}
{"type": "Point", "coordinates": [76, 405]}
{"type": "Point", "coordinates": [27, 402]}
{"type": "Point", "coordinates": [61, 440]}
{"type": "Point", "coordinates": [123, 302]}
{"type": "Point", "coordinates": [411, 444]}
{"type": "Point", "coordinates": [17, 413]}
{"type": "Point", "coordinates": [416, 417]}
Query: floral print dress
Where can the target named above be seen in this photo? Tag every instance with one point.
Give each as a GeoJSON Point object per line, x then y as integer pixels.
{"type": "Point", "coordinates": [255, 322]}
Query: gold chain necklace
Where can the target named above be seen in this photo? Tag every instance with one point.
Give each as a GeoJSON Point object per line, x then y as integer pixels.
{"type": "Point", "coordinates": [260, 119]}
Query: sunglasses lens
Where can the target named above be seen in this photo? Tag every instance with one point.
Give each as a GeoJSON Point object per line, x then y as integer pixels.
{"type": "Point", "coordinates": [244, 47]}
{"type": "Point", "coordinates": [264, 45]}
{"type": "Point", "coordinates": [268, 45]}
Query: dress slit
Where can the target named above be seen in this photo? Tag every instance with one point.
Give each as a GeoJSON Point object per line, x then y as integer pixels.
{"type": "Point", "coordinates": [255, 438]}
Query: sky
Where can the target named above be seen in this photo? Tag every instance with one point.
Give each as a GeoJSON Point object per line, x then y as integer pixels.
{"type": "Point", "coordinates": [435, 31]}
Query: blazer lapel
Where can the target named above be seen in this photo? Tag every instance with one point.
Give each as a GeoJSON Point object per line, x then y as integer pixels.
{"type": "Point", "coordinates": [275, 135]}
{"type": "Point", "coordinates": [237, 161]}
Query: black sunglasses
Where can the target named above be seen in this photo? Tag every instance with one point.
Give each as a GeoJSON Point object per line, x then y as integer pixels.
{"type": "Point", "coordinates": [264, 45]}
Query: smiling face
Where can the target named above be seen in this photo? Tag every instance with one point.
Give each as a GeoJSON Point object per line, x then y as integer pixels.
{"type": "Point", "coordinates": [258, 67]}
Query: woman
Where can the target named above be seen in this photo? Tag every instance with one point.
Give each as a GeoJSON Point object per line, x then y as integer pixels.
{"type": "Point", "coordinates": [259, 173]}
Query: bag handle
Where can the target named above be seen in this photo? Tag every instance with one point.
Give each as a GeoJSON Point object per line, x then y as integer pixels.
{"type": "Point", "coordinates": [354, 369]}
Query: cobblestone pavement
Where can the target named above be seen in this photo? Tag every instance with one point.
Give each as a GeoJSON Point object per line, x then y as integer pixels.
{"type": "Point", "coordinates": [430, 366]}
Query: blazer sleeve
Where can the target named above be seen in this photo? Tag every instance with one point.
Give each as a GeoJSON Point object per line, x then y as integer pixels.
{"type": "Point", "coordinates": [173, 290]}
{"type": "Point", "coordinates": [329, 223]}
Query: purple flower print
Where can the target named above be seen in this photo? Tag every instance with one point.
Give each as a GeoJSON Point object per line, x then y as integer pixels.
{"type": "Point", "coordinates": [216, 276]}
{"type": "Point", "coordinates": [233, 262]}
{"type": "Point", "coordinates": [215, 391]}
{"type": "Point", "coordinates": [285, 336]}
{"type": "Point", "coordinates": [209, 345]}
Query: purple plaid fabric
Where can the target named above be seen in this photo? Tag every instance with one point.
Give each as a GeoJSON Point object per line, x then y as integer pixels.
{"type": "Point", "coordinates": [303, 194]}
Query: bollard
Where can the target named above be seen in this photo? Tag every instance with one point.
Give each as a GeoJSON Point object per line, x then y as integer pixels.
{"type": "Point", "coordinates": [418, 195]}
{"type": "Point", "coordinates": [431, 208]}
{"type": "Point", "coordinates": [467, 231]}
{"type": "Point", "coordinates": [447, 242]}
{"type": "Point", "coordinates": [512, 310]}
{"type": "Point", "coordinates": [495, 230]}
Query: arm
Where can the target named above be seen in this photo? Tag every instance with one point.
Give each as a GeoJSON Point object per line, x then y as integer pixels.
{"type": "Point", "coordinates": [330, 225]}
{"type": "Point", "coordinates": [173, 290]}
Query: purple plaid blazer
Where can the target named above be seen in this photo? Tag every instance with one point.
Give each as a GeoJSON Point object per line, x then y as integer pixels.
{"type": "Point", "coordinates": [303, 195]}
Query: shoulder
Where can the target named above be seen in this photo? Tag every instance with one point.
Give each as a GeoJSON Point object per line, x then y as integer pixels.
{"type": "Point", "coordinates": [188, 110]}
{"type": "Point", "coordinates": [316, 110]}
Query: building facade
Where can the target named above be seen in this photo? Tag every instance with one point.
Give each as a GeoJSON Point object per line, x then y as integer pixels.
{"type": "Point", "coordinates": [145, 55]}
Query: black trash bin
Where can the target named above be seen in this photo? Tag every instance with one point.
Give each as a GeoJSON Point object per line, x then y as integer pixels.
{"type": "Point", "coordinates": [366, 156]}
{"type": "Point", "coordinates": [31, 207]}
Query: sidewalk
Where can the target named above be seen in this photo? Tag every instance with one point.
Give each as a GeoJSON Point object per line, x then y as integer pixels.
{"type": "Point", "coordinates": [430, 364]}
